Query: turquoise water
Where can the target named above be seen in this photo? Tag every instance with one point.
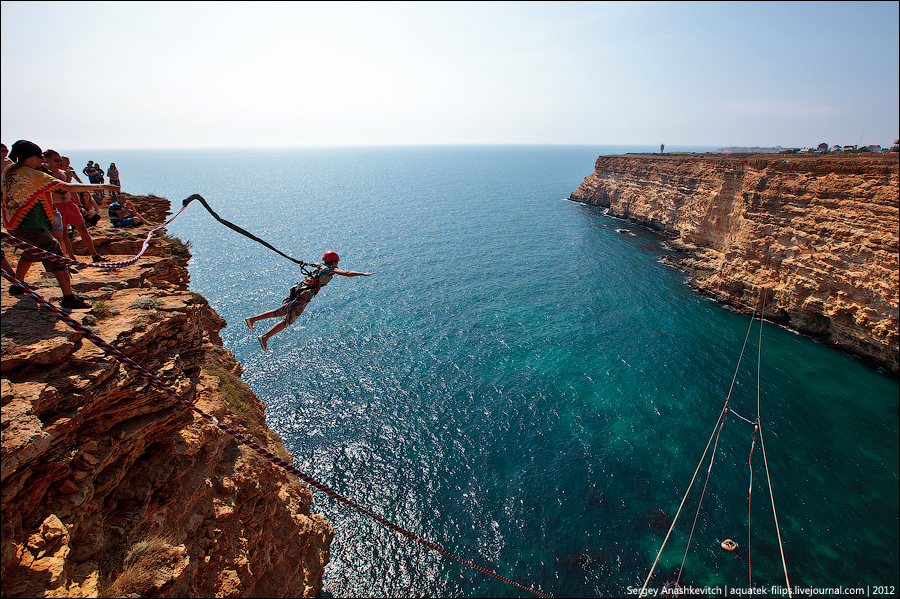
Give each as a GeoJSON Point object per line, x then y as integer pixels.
{"type": "Point", "coordinates": [524, 385]}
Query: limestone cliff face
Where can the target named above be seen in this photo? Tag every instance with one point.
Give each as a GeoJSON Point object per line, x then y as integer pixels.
{"type": "Point", "coordinates": [819, 235]}
{"type": "Point", "coordinates": [97, 466]}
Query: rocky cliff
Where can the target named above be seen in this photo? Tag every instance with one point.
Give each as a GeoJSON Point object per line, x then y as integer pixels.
{"type": "Point", "coordinates": [111, 487]}
{"type": "Point", "coordinates": [818, 235]}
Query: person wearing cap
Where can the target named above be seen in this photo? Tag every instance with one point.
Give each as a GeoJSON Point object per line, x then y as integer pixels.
{"type": "Point", "coordinates": [301, 294]}
{"type": "Point", "coordinates": [28, 215]}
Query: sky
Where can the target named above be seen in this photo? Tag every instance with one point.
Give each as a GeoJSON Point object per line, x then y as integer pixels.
{"type": "Point", "coordinates": [103, 75]}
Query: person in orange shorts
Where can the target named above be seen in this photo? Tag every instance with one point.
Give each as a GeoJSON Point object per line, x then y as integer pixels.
{"type": "Point", "coordinates": [71, 214]}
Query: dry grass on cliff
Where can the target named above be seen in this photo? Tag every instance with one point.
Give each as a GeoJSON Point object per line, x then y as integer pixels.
{"type": "Point", "coordinates": [147, 565]}
{"type": "Point", "coordinates": [236, 394]}
{"type": "Point", "coordinates": [240, 399]}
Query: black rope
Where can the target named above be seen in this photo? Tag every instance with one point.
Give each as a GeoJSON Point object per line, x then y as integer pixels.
{"type": "Point", "coordinates": [236, 228]}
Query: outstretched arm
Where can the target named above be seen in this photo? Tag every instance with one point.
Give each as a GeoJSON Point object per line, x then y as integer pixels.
{"type": "Point", "coordinates": [79, 187]}
{"type": "Point", "coordinates": [350, 273]}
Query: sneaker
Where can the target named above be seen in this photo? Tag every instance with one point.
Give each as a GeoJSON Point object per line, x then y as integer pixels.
{"type": "Point", "coordinates": [71, 302]}
{"type": "Point", "coordinates": [262, 343]}
{"type": "Point", "coordinates": [16, 290]}
{"type": "Point", "coordinates": [249, 324]}
{"type": "Point", "coordinates": [99, 258]}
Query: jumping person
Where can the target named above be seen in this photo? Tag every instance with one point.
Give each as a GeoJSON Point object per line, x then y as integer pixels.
{"type": "Point", "coordinates": [293, 305]}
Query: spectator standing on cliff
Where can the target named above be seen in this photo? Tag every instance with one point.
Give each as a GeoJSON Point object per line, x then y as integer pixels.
{"type": "Point", "coordinates": [113, 174]}
{"type": "Point", "coordinates": [68, 208]}
{"type": "Point", "coordinates": [28, 212]}
{"type": "Point", "coordinates": [90, 172]}
{"type": "Point", "coordinates": [95, 176]}
{"type": "Point", "coordinates": [301, 294]}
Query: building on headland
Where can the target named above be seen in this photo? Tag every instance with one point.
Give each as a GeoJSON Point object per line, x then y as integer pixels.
{"type": "Point", "coordinates": [753, 150]}
{"type": "Point", "coordinates": [822, 148]}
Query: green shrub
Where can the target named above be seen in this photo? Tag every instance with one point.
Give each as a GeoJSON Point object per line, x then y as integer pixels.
{"type": "Point", "coordinates": [179, 248]}
{"type": "Point", "coordinates": [146, 303]}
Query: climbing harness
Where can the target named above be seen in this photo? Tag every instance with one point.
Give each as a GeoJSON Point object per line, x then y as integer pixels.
{"type": "Point", "coordinates": [308, 269]}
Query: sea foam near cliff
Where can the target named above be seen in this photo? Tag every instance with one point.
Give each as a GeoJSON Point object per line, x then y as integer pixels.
{"type": "Point", "coordinates": [521, 384]}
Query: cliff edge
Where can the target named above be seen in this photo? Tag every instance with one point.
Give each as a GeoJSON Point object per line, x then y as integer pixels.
{"type": "Point", "coordinates": [113, 488]}
{"type": "Point", "coordinates": [818, 235]}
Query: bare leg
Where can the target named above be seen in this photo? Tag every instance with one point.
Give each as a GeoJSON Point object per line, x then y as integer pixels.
{"type": "Point", "coordinates": [65, 283]}
{"type": "Point", "coordinates": [63, 238]}
{"type": "Point", "coordinates": [22, 269]}
{"type": "Point", "coordinates": [263, 316]}
{"type": "Point", "coordinates": [86, 237]}
{"type": "Point", "coordinates": [277, 328]}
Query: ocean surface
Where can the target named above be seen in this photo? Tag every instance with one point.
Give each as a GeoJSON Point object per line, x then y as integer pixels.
{"type": "Point", "coordinates": [524, 383]}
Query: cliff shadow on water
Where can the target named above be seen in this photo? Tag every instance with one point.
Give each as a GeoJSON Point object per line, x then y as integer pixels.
{"type": "Point", "coordinates": [816, 237]}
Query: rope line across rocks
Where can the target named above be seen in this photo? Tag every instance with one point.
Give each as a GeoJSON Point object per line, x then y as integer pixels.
{"type": "Point", "coordinates": [161, 386]}
{"type": "Point", "coordinates": [22, 245]}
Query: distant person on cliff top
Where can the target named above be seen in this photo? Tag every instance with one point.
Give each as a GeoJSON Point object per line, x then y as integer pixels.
{"type": "Point", "coordinates": [125, 216]}
{"type": "Point", "coordinates": [301, 294]}
{"type": "Point", "coordinates": [90, 172]}
{"type": "Point", "coordinates": [28, 214]}
{"type": "Point", "coordinates": [113, 174]}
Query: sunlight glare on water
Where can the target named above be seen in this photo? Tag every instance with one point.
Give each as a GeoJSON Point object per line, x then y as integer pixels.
{"type": "Point", "coordinates": [522, 384]}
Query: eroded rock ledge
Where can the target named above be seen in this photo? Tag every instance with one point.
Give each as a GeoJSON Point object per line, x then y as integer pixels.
{"type": "Point", "coordinates": [97, 466]}
{"type": "Point", "coordinates": [819, 235]}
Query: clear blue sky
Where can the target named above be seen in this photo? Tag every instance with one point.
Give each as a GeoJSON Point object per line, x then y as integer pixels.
{"type": "Point", "coordinates": [84, 75]}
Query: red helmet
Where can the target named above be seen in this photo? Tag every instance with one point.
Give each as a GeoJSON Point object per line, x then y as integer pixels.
{"type": "Point", "coordinates": [330, 257]}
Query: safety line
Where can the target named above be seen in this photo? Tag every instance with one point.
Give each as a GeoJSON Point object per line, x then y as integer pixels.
{"type": "Point", "coordinates": [702, 495]}
{"type": "Point", "coordinates": [675, 519]}
{"type": "Point", "coordinates": [749, 504]}
{"type": "Point", "coordinates": [161, 386]}
{"type": "Point", "coordinates": [22, 245]}
{"type": "Point", "coordinates": [763, 447]}
{"type": "Point", "coordinates": [236, 228]}
{"type": "Point", "coordinates": [700, 463]}
{"type": "Point", "coordinates": [775, 515]}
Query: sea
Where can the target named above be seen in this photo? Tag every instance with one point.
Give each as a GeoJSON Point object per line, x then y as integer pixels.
{"type": "Point", "coordinates": [524, 383]}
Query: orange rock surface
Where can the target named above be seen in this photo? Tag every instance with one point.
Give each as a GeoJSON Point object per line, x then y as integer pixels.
{"type": "Point", "coordinates": [95, 461]}
{"type": "Point", "coordinates": [819, 236]}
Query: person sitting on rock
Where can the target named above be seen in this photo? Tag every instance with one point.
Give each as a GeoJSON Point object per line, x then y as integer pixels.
{"type": "Point", "coordinates": [125, 216]}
